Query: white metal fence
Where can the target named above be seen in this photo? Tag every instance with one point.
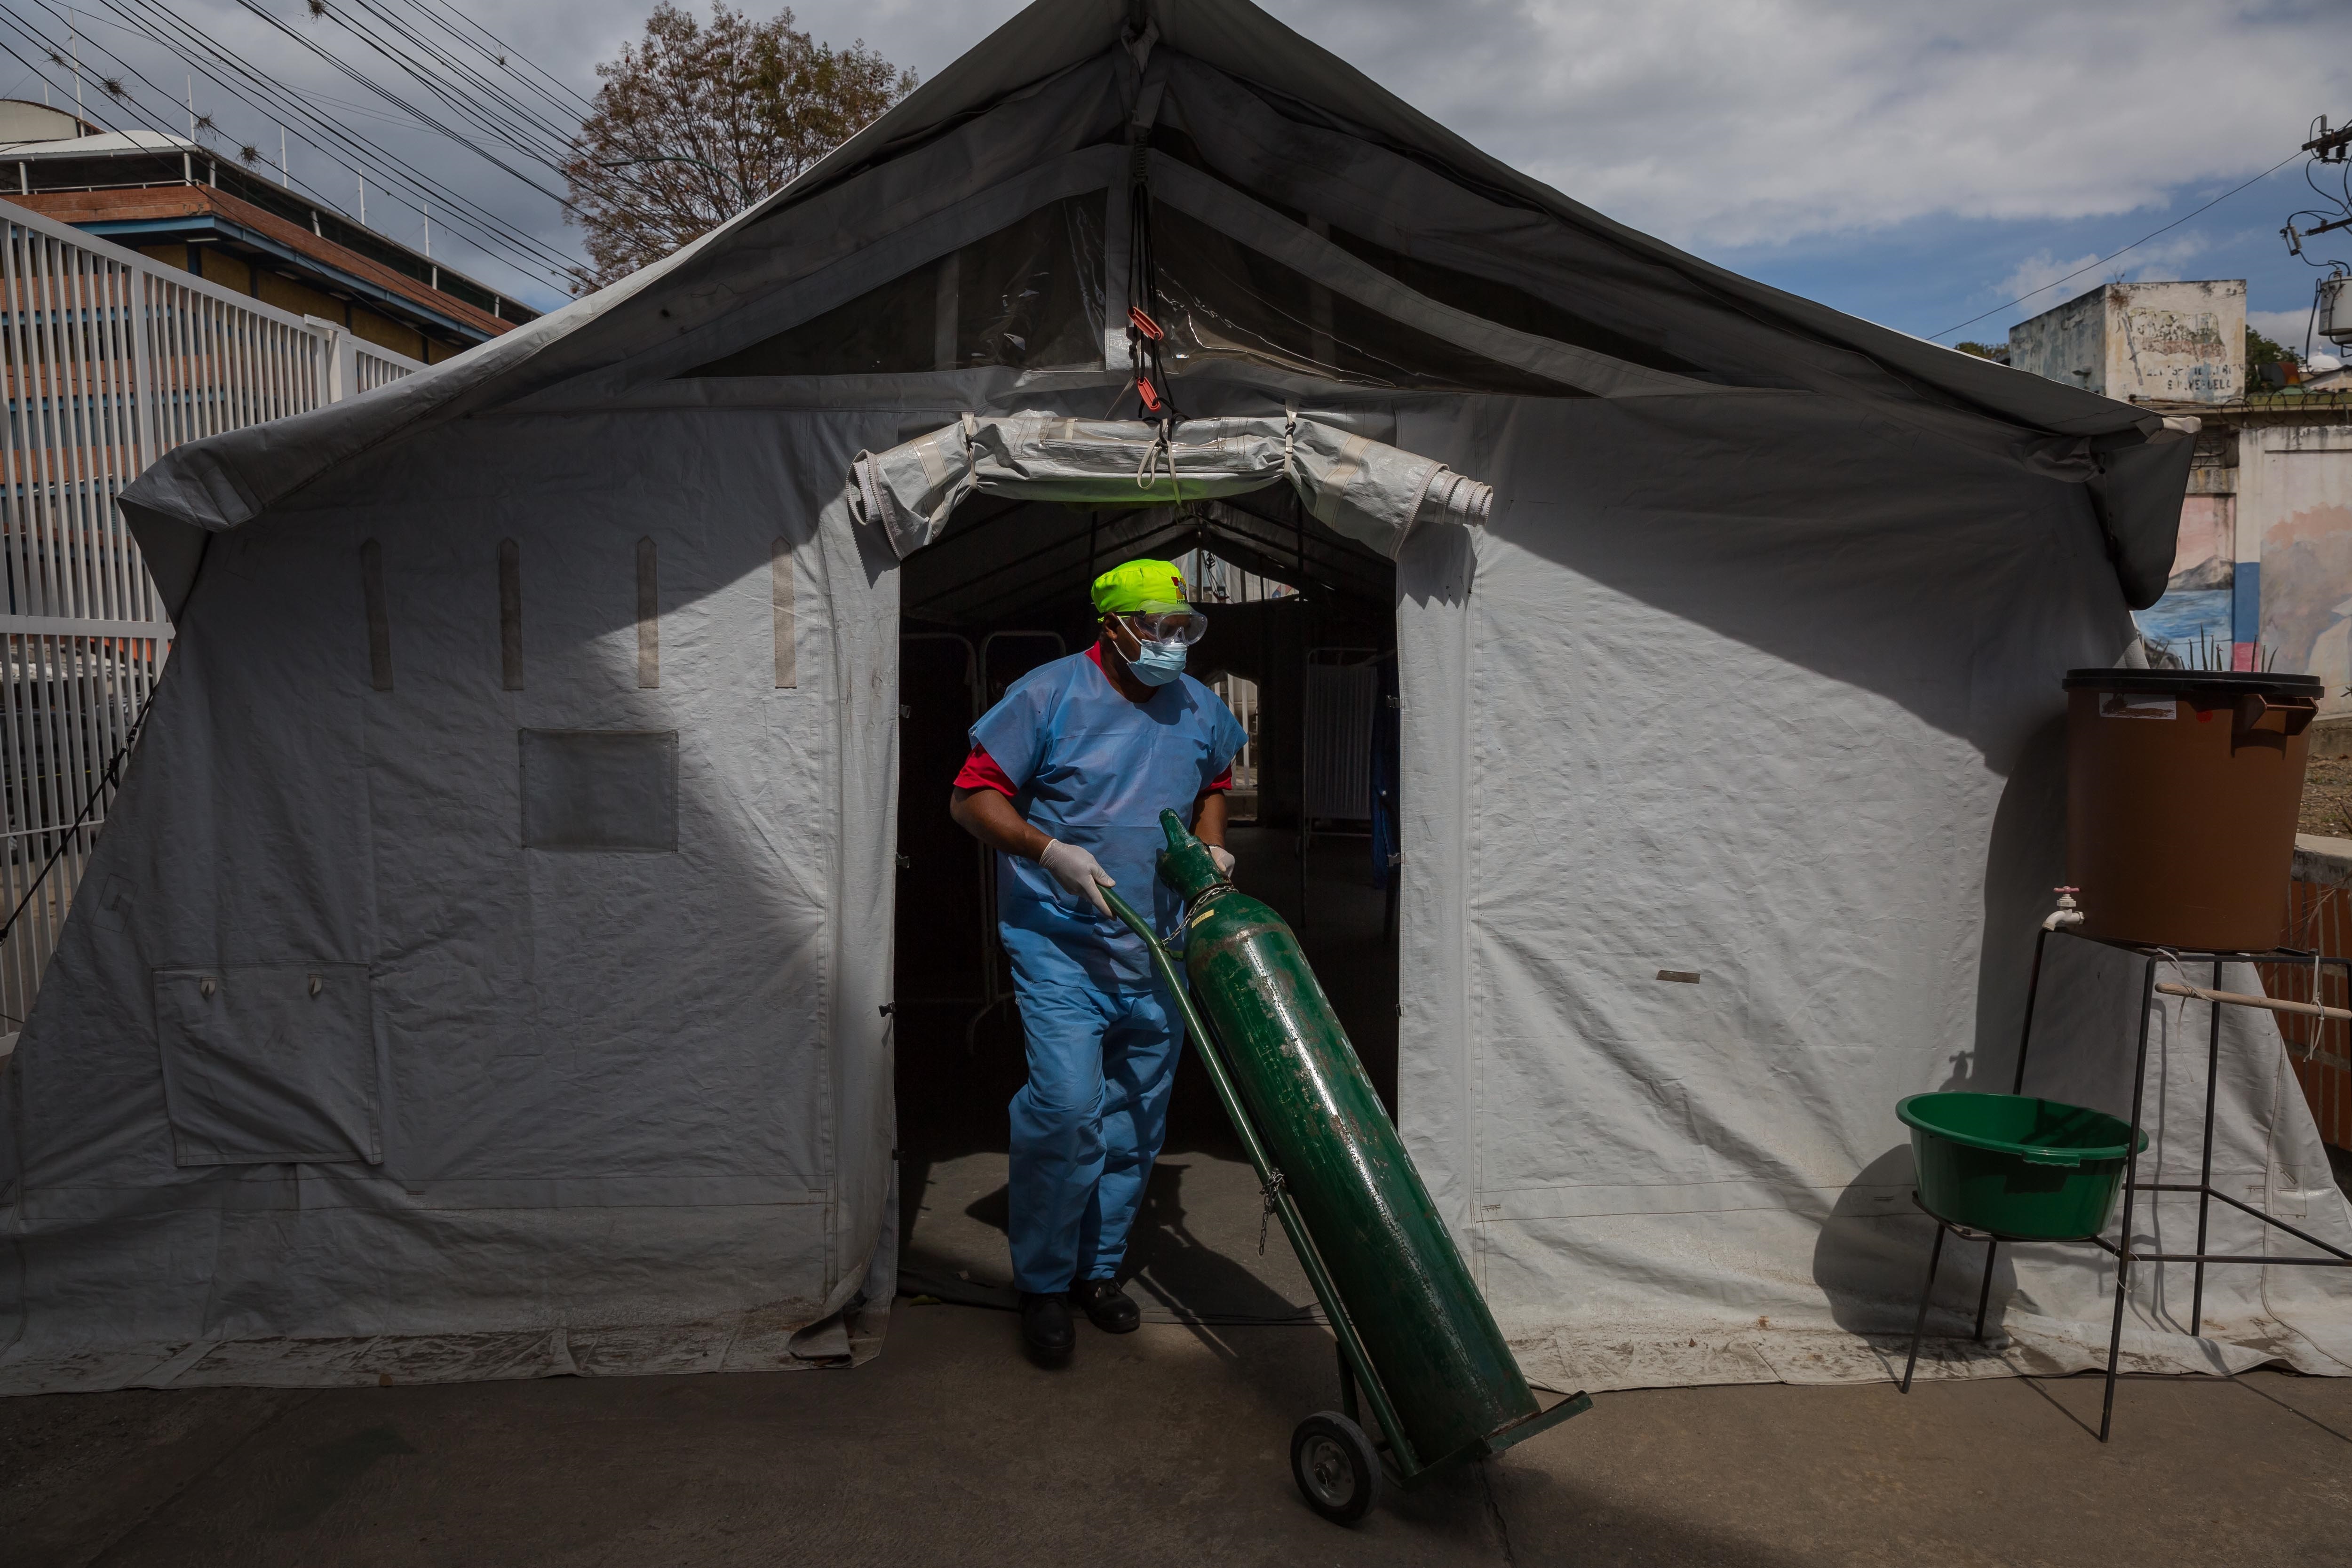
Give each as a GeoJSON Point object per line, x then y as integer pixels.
{"type": "Point", "coordinates": [109, 361]}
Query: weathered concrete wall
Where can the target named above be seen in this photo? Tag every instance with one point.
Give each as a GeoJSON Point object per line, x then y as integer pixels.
{"type": "Point", "coordinates": [2294, 515]}
{"type": "Point", "coordinates": [2068, 344]}
{"type": "Point", "coordinates": [2164, 342]}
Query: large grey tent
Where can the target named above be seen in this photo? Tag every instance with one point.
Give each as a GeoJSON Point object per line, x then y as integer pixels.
{"type": "Point", "coordinates": [486, 970]}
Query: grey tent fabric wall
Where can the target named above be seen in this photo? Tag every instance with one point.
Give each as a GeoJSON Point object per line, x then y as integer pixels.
{"type": "Point", "coordinates": [634, 1103]}
{"type": "Point", "coordinates": [1785, 759]}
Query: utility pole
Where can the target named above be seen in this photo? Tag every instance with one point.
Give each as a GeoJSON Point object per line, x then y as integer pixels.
{"type": "Point", "coordinates": [2331, 304]}
{"type": "Point", "coordinates": [363, 201]}
{"type": "Point", "coordinates": [285, 176]}
{"type": "Point", "coordinates": [2325, 147]}
{"type": "Point", "coordinates": [428, 231]}
{"type": "Point", "coordinates": [192, 109]}
{"type": "Point", "coordinates": [73, 48]}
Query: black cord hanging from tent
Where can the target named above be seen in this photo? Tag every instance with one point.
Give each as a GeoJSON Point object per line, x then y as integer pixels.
{"type": "Point", "coordinates": [1144, 334]}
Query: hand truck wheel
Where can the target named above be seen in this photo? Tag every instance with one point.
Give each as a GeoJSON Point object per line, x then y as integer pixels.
{"type": "Point", "coordinates": [1336, 1468]}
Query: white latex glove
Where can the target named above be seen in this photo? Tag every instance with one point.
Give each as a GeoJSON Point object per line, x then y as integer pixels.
{"type": "Point", "coordinates": [1223, 857]}
{"type": "Point", "coordinates": [1079, 871]}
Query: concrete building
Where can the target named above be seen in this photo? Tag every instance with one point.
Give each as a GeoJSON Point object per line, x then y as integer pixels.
{"type": "Point", "coordinates": [22, 119]}
{"type": "Point", "coordinates": [2143, 342]}
{"type": "Point", "coordinates": [182, 203]}
{"type": "Point", "coordinates": [2264, 565]}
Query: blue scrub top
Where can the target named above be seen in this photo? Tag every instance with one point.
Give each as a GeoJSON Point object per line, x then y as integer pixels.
{"type": "Point", "coordinates": [1096, 770]}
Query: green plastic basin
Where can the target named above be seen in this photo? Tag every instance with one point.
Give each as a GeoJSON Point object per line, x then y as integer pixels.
{"type": "Point", "coordinates": [2039, 1170]}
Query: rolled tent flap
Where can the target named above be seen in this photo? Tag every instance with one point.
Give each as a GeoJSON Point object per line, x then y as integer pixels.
{"type": "Point", "coordinates": [1373, 493]}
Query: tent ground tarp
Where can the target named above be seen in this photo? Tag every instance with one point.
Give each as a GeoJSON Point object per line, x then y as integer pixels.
{"type": "Point", "coordinates": [541, 711]}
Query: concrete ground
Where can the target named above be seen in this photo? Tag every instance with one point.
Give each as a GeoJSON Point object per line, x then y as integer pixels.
{"type": "Point", "coordinates": [1167, 1446]}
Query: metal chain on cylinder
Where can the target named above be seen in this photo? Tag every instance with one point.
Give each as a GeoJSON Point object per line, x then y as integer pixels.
{"type": "Point", "coordinates": [1273, 1191]}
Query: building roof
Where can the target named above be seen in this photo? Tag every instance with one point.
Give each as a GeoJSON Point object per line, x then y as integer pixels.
{"type": "Point", "coordinates": [150, 187]}
{"type": "Point", "coordinates": [104, 144]}
{"type": "Point", "coordinates": [22, 119]}
{"type": "Point", "coordinates": [146, 215]}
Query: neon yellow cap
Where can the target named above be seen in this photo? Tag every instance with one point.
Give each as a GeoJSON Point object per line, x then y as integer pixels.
{"type": "Point", "coordinates": [1134, 585]}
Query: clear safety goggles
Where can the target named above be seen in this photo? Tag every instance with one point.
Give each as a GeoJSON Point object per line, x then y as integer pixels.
{"type": "Point", "coordinates": [1181, 624]}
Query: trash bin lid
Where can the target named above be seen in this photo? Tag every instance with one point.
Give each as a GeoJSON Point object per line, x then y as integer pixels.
{"type": "Point", "coordinates": [2213, 685]}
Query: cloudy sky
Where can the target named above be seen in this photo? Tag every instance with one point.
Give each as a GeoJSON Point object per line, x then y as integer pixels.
{"type": "Point", "coordinates": [1916, 162]}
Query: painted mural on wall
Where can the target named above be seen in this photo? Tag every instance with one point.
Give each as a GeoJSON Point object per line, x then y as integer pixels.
{"type": "Point", "coordinates": [2298, 480]}
{"type": "Point", "coordinates": [2178, 355]}
{"type": "Point", "coordinates": [2195, 610]}
{"type": "Point", "coordinates": [2262, 569]}
{"type": "Point", "coordinates": [2307, 597]}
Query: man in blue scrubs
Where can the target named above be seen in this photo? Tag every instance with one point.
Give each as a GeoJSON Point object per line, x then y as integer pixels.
{"type": "Point", "coordinates": [1067, 780]}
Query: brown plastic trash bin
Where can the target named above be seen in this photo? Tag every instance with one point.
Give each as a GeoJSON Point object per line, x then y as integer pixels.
{"type": "Point", "coordinates": [2182, 791]}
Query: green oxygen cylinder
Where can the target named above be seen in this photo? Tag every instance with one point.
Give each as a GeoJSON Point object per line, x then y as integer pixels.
{"type": "Point", "coordinates": [1391, 1259]}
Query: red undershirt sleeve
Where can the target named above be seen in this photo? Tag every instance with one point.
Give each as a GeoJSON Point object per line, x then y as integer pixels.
{"type": "Point", "coordinates": [981, 771]}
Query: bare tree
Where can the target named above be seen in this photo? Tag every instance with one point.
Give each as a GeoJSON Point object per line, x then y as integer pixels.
{"type": "Point", "coordinates": [695, 121]}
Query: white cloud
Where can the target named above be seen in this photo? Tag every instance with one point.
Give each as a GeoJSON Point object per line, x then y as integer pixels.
{"type": "Point", "coordinates": [2037, 280]}
{"type": "Point", "coordinates": [2285, 328]}
{"type": "Point", "coordinates": [1725, 124]}
{"type": "Point", "coordinates": [2167, 259]}
{"type": "Point", "coordinates": [2043, 282]}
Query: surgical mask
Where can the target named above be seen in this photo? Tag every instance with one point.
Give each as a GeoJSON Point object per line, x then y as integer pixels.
{"type": "Point", "coordinates": [1158, 663]}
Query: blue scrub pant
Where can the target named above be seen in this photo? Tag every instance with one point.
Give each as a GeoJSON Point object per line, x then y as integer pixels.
{"type": "Point", "coordinates": [1087, 1126]}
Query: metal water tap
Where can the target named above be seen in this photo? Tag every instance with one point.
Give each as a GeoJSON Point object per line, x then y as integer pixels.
{"type": "Point", "coordinates": [2068, 913]}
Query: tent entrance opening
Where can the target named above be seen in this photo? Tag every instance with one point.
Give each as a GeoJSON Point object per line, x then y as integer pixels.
{"type": "Point", "coordinates": [1302, 646]}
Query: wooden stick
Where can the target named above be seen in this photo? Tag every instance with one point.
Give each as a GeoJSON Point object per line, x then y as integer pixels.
{"type": "Point", "coordinates": [2236, 999]}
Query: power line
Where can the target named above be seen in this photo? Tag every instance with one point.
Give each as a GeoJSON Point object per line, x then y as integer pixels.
{"type": "Point", "coordinates": [488, 109]}
{"type": "Point", "coordinates": [525, 128]}
{"type": "Point", "coordinates": [481, 90]}
{"type": "Point", "coordinates": [389, 97]}
{"type": "Point", "coordinates": [36, 70]}
{"type": "Point", "coordinates": [357, 156]}
{"type": "Point", "coordinates": [346, 147]}
{"type": "Point", "coordinates": [2135, 245]}
{"type": "Point", "coordinates": [475, 96]}
{"type": "Point", "coordinates": [273, 110]}
{"type": "Point", "coordinates": [506, 51]}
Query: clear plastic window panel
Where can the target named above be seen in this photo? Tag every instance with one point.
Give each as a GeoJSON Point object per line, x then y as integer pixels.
{"type": "Point", "coordinates": [1510, 307]}
{"type": "Point", "coordinates": [1028, 297]}
{"type": "Point", "coordinates": [1219, 300]}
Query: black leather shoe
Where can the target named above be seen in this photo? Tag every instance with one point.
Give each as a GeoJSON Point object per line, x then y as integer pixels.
{"type": "Point", "coordinates": [1106, 1306]}
{"type": "Point", "coordinates": [1046, 1328]}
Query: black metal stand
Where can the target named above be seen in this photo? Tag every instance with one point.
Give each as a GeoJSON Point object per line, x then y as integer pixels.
{"type": "Point", "coordinates": [1927, 1292]}
{"type": "Point", "coordinates": [2121, 1249]}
